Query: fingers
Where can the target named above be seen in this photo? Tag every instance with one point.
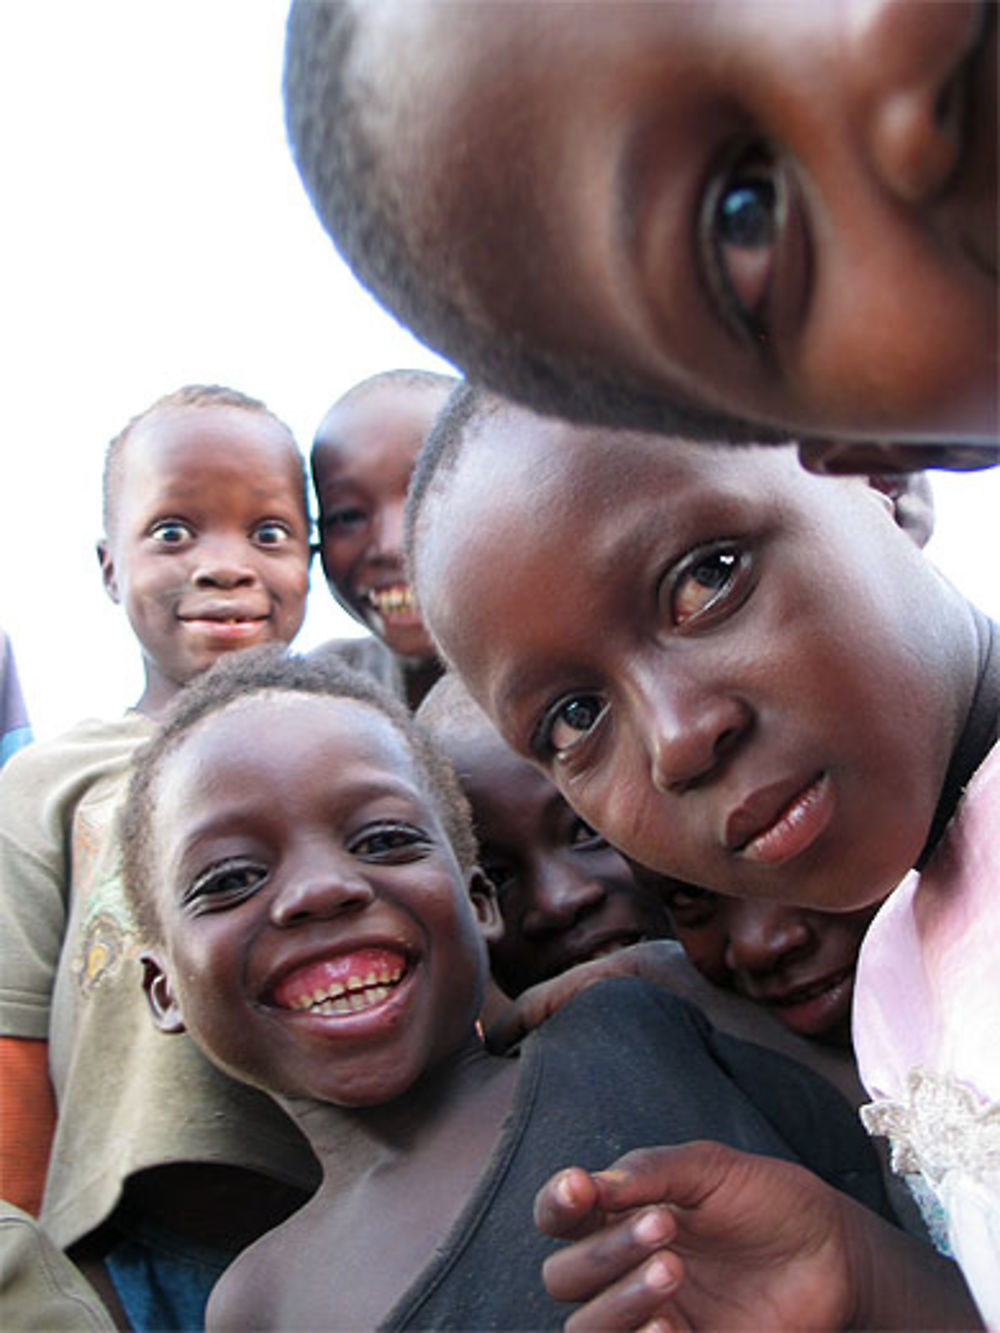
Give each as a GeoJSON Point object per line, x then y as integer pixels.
{"type": "Point", "coordinates": [683, 1174]}
{"type": "Point", "coordinates": [567, 1205]}
{"type": "Point", "coordinates": [611, 1254]}
{"type": "Point", "coordinates": [638, 1300]}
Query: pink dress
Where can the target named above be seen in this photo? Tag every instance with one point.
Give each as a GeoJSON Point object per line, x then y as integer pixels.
{"type": "Point", "coordinates": [927, 1035]}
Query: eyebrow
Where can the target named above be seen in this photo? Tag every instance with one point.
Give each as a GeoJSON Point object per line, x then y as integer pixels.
{"type": "Point", "coordinates": [242, 811]}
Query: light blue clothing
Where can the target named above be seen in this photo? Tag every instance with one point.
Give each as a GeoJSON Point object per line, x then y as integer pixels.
{"type": "Point", "coordinates": [15, 729]}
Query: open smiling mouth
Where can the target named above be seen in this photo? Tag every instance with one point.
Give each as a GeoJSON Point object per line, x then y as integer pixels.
{"type": "Point", "coordinates": [345, 985]}
{"type": "Point", "coordinates": [804, 994]}
{"type": "Point", "coordinates": [393, 602]}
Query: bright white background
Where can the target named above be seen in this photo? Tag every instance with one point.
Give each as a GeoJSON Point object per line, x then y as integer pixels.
{"type": "Point", "coordinates": [155, 234]}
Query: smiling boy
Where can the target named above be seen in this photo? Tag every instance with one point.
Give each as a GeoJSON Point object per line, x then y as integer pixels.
{"type": "Point", "coordinates": [723, 221]}
{"type": "Point", "coordinates": [748, 678]}
{"type": "Point", "coordinates": [206, 549]}
{"type": "Point", "coordinates": [362, 458]}
{"type": "Point", "coordinates": [303, 864]}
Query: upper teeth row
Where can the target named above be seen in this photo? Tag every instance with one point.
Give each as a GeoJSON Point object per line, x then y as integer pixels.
{"type": "Point", "coordinates": [392, 599]}
{"type": "Point", "coordinates": [385, 977]}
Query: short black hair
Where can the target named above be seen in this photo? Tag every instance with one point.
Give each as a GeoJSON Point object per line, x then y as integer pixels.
{"type": "Point", "coordinates": [448, 710]}
{"type": "Point", "coordinates": [269, 669]}
{"type": "Point", "coordinates": [188, 395]}
{"type": "Point", "coordinates": [329, 112]}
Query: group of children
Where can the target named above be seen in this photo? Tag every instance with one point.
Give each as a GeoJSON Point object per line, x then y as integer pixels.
{"type": "Point", "coordinates": [328, 982]}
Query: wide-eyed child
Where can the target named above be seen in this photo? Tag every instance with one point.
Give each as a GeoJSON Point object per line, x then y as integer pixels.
{"type": "Point", "coordinates": [749, 678]}
{"type": "Point", "coordinates": [721, 221]}
{"type": "Point", "coordinates": [159, 1168]}
{"type": "Point", "coordinates": [565, 896]}
{"type": "Point", "coordinates": [303, 864]}
{"type": "Point", "coordinates": [362, 457]}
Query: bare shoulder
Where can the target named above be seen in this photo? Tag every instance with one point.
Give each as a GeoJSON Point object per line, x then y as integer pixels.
{"type": "Point", "coordinates": [246, 1296]}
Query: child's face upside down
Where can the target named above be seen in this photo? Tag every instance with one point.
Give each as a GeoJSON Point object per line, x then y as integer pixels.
{"type": "Point", "coordinates": [784, 213]}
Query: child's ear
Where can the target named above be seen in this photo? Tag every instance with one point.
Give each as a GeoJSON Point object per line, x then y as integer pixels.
{"type": "Point", "coordinates": [484, 900]}
{"type": "Point", "coordinates": [155, 982]}
{"type": "Point", "coordinates": [106, 561]}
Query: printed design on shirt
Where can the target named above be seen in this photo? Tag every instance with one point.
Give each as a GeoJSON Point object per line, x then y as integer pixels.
{"type": "Point", "coordinates": [107, 935]}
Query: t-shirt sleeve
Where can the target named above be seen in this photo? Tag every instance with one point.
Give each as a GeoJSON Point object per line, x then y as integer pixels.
{"type": "Point", "coordinates": [33, 893]}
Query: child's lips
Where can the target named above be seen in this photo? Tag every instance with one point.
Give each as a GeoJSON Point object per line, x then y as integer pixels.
{"type": "Point", "coordinates": [778, 823]}
{"type": "Point", "coordinates": [344, 984]}
{"type": "Point", "coordinates": [225, 620]}
{"type": "Point", "coordinates": [813, 1009]}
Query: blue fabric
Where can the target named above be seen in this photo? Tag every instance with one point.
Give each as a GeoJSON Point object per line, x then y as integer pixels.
{"type": "Point", "coordinates": [163, 1280]}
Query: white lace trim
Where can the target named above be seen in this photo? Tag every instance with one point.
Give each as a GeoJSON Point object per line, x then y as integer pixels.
{"type": "Point", "coordinates": [943, 1125]}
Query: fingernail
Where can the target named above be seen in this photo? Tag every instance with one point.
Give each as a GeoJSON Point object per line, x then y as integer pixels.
{"type": "Point", "coordinates": [651, 1227]}
{"type": "Point", "coordinates": [564, 1190]}
{"type": "Point", "coordinates": [657, 1275]}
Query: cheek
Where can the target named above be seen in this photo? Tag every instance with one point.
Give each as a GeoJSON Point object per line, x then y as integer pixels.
{"type": "Point", "coordinates": [338, 560]}
{"type": "Point", "coordinates": [707, 950]}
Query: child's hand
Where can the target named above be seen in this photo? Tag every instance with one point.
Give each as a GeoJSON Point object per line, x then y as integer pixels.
{"type": "Point", "coordinates": [703, 1236]}
{"type": "Point", "coordinates": [696, 1236]}
{"type": "Point", "coordinates": [661, 962]}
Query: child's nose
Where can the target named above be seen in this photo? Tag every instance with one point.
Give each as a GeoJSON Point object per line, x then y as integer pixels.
{"type": "Point", "coordinates": [387, 530]}
{"type": "Point", "coordinates": [908, 59]}
{"type": "Point", "coordinates": [762, 935]}
{"type": "Point", "coordinates": [688, 729]}
{"type": "Point", "coordinates": [223, 565]}
{"type": "Point", "coordinates": [320, 894]}
{"type": "Point", "coordinates": [560, 894]}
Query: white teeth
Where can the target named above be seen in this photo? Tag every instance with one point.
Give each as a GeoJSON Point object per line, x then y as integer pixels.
{"type": "Point", "coordinates": [356, 994]}
{"type": "Point", "coordinates": [392, 601]}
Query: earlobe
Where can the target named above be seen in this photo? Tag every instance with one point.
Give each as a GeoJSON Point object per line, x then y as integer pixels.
{"type": "Point", "coordinates": [106, 561]}
{"type": "Point", "coordinates": [487, 909]}
{"type": "Point", "coordinates": [164, 1008]}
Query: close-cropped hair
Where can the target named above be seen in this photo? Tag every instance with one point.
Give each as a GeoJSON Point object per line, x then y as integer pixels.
{"type": "Point", "coordinates": [189, 395]}
{"type": "Point", "coordinates": [397, 379]}
{"type": "Point", "coordinates": [448, 709]}
{"type": "Point", "coordinates": [465, 409]}
{"type": "Point", "coordinates": [270, 671]}
{"type": "Point", "coordinates": [329, 112]}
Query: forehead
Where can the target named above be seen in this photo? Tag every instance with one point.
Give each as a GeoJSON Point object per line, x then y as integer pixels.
{"type": "Point", "coordinates": [383, 428]}
{"type": "Point", "coordinates": [589, 484]}
{"type": "Point", "coordinates": [350, 744]}
{"type": "Point", "coordinates": [586, 521]}
{"type": "Point", "coordinates": [195, 448]}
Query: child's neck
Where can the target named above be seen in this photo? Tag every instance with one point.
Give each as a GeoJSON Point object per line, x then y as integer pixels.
{"type": "Point", "coordinates": [158, 694]}
{"type": "Point", "coordinates": [353, 1141]}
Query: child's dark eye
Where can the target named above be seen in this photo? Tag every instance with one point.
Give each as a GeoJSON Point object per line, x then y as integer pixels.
{"type": "Point", "coordinates": [704, 583]}
{"type": "Point", "coordinates": [743, 233]}
{"type": "Point", "coordinates": [390, 843]}
{"type": "Point", "coordinates": [568, 722]}
{"type": "Point", "coordinates": [171, 532]}
{"type": "Point", "coordinates": [584, 838]}
{"type": "Point", "coordinates": [225, 884]}
{"type": "Point", "coordinates": [688, 904]}
{"type": "Point", "coordinates": [335, 522]}
{"type": "Point", "coordinates": [272, 533]}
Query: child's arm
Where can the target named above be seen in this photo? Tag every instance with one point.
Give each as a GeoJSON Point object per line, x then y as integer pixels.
{"type": "Point", "coordinates": [28, 1121]}
{"type": "Point", "coordinates": [702, 1235]}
